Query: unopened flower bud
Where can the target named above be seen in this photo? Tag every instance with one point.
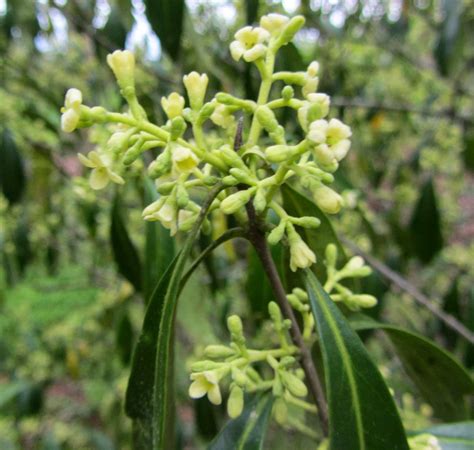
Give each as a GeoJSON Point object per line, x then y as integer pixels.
{"type": "Point", "coordinates": [290, 29]}
{"type": "Point", "coordinates": [260, 201]}
{"type": "Point", "coordinates": [266, 118]}
{"type": "Point", "coordinates": [166, 188]}
{"type": "Point", "coordinates": [234, 325]}
{"type": "Point", "coordinates": [117, 143]}
{"type": "Point", "coordinates": [331, 255]}
{"type": "Point", "coordinates": [242, 175]}
{"type": "Point", "coordinates": [327, 199]}
{"type": "Point", "coordinates": [231, 158]}
{"type": "Point", "coordinates": [196, 86]}
{"type": "Point", "coordinates": [200, 366]}
{"type": "Point", "coordinates": [218, 351]}
{"type": "Point", "coordinates": [161, 165]}
{"type": "Point", "coordinates": [133, 153]}
{"type": "Point", "coordinates": [363, 300]}
{"type": "Point", "coordinates": [122, 63]}
{"type": "Point", "coordinates": [275, 313]}
{"type": "Point", "coordinates": [279, 153]}
{"type": "Point", "coordinates": [274, 23]}
{"type": "Point", "coordinates": [239, 377]}
{"type": "Point", "coordinates": [287, 93]}
{"type": "Point", "coordinates": [182, 196]}
{"type": "Point", "coordinates": [277, 233]}
{"type": "Point", "coordinates": [205, 113]}
{"type": "Point", "coordinates": [178, 127]}
{"type": "Point", "coordinates": [306, 222]}
{"type": "Point", "coordinates": [235, 404]}
{"type": "Point", "coordinates": [280, 411]}
{"type": "Point", "coordinates": [294, 384]}
{"type": "Point", "coordinates": [301, 256]}
{"type": "Point", "coordinates": [234, 202]}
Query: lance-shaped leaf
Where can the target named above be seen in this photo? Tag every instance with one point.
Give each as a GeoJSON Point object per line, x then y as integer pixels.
{"type": "Point", "coordinates": [150, 394]}
{"type": "Point", "coordinates": [441, 380]}
{"type": "Point", "coordinates": [362, 414]}
{"type": "Point", "coordinates": [125, 253]}
{"type": "Point", "coordinates": [246, 432]}
{"type": "Point", "coordinates": [453, 436]}
{"type": "Point", "coordinates": [12, 172]}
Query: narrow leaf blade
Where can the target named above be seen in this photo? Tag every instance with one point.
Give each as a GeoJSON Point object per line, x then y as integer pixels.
{"type": "Point", "coordinates": [362, 414]}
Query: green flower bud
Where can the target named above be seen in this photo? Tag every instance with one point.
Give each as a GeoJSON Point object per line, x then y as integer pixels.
{"type": "Point", "coordinates": [166, 188]}
{"type": "Point", "coordinates": [133, 153]}
{"type": "Point", "coordinates": [306, 222]}
{"type": "Point", "coordinates": [118, 142]}
{"type": "Point", "coordinates": [294, 384]}
{"type": "Point", "coordinates": [275, 313]}
{"type": "Point", "coordinates": [277, 233]}
{"type": "Point", "coordinates": [229, 180]}
{"type": "Point", "coordinates": [161, 165]}
{"type": "Point", "coordinates": [287, 93]}
{"type": "Point", "coordinates": [239, 377]}
{"type": "Point", "coordinates": [235, 404]}
{"type": "Point", "coordinates": [230, 157]}
{"type": "Point", "coordinates": [182, 196]}
{"type": "Point", "coordinates": [289, 31]}
{"type": "Point", "coordinates": [210, 180]}
{"type": "Point", "coordinates": [205, 113]}
{"type": "Point", "coordinates": [234, 325]}
{"type": "Point", "coordinates": [122, 63]}
{"type": "Point", "coordinates": [280, 411]}
{"type": "Point", "coordinates": [280, 153]}
{"type": "Point", "coordinates": [363, 300]}
{"type": "Point", "coordinates": [178, 127]}
{"type": "Point", "coordinates": [218, 351]}
{"type": "Point", "coordinates": [234, 202]}
{"type": "Point", "coordinates": [260, 202]}
{"type": "Point", "coordinates": [277, 388]}
{"type": "Point", "coordinates": [331, 255]}
{"type": "Point", "coordinates": [243, 176]}
{"type": "Point", "coordinates": [266, 118]}
{"type": "Point", "coordinates": [173, 105]}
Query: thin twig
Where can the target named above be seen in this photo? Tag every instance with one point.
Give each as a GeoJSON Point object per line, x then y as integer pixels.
{"type": "Point", "coordinates": [256, 236]}
{"type": "Point", "coordinates": [412, 290]}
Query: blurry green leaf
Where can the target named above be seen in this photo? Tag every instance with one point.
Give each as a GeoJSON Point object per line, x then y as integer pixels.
{"type": "Point", "coordinates": [468, 152]}
{"type": "Point", "coordinates": [12, 172]}
{"type": "Point", "coordinates": [298, 205]}
{"type": "Point", "coordinates": [452, 307]}
{"type": "Point", "coordinates": [205, 416]}
{"type": "Point", "coordinates": [150, 394]}
{"type": "Point", "coordinates": [362, 414]}
{"type": "Point", "coordinates": [469, 322]}
{"type": "Point", "coordinates": [449, 45]}
{"type": "Point", "coordinates": [251, 11]}
{"type": "Point", "coordinates": [441, 380]}
{"type": "Point", "coordinates": [124, 337]}
{"type": "Point", "coordinates": [125, 253]}
{"type": "Point", "coordinates": [453, 436]}
{"type": "Point", "coordinates": [425, 225]}
{"type": "Point", "coordinates": [159, 246]}
{"type": "Point", "coordinates": [9, 392]}
{"type": "Point", "coordinates": [166, 19]}
{"type": "Point", "coordinates": [114, 32]}
{"type": "Point", "coordinates": [246, 432]}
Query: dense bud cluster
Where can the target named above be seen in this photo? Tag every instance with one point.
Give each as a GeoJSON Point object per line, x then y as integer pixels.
{"type": "Point", "coordinates": [255, 171]}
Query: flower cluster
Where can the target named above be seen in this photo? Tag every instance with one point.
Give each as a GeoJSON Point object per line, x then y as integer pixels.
{"type": "Point", "coordinates": [235, 362]}
{"type": "Point", "coordinates": [185, 166]}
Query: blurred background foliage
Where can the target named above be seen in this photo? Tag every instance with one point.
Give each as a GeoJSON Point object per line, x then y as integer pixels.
{"type": "Point", "coordinates": [76, 266]}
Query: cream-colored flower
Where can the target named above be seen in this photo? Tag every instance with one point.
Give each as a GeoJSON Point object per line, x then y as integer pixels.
{"type": "Point", "coordinates": [301, 256]}
{"type": "Point", "coordinates": [184, 160]}
{"type": "Point", "coordinates": [274, 23]}
{"type": "Point", "coordinates": [318, 131]}
{"type": "Point", "coordinates": [249, 43]}
{"type": "Point", "coordinates": [206, 382]}
{"type": "Point", "coordinates": [337, 131]}
{"type": "Point", "coordinates": [101, 173]}
{"type": "Point", "coordinates": [122, 63]}
{"type": "Point", "coordinates": [315, 108]}
{"type": "Point", "coordinates": [173, 105]}
{"type": "Point", "coordinates": [196, 86]}
{"type": "Point", "coordinates": [71, 111]}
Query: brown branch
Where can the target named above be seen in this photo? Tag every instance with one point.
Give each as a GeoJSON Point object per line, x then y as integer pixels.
{"type": "Point", "coordinates": [412, 290]}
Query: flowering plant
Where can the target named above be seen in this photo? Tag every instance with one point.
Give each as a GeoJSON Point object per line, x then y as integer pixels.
{"type": "Point", "coordinates": [228, 156]}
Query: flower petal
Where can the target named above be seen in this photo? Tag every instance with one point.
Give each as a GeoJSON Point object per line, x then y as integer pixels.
{"type": "Point", "coordinates": [85, 161]}
{"type": "Point", "coordinates": [236, 50]}
{"type": "Point", "coordinates": [257, 51]}
{"type": "Point", "coordinates": [198, 388]}
{"type": "Point", "coordinates": [116, 178]}
{"type": "Point", "coordinates": [99, 178]}
{"type": "Point", "coordinates": [96, 159]}
{"type": "Point", "coordinates": [214, 395]}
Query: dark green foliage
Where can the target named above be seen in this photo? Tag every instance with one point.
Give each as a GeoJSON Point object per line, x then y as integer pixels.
{"type": "Point", "coordinates": [125, 253]}
{"type": "Point", "coordinates": [12, 171]}
{"type": "Point", "coordinates": [362, 414]}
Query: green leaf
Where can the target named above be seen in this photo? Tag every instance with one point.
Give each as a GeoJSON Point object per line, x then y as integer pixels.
{"type": "Point", "coordinates": [159, 246]}
{"type": "Point", "coordinates": [468, 153]}
{"type": "Point", "coordinates": [453, 436]}
{"type": "Point", "coordinates": [298, 205]}
{"type": "Point", "coordinates": [246, 432]}
{"type": "Point", "coordinates": [425, 226]}
{"type": "Point", "coordinates": [12, 172]}
{"type": "Point", "coordinates": [166, 20]}
{"type": "Point", "coordinates": [448, 48]}
{"type": "Point", "coordinates": [125, 253]}
{"type": "Point", "coordinates": [251, 11]}
{"type": "Point", "coordinates": [362, 414]}
{"type": "Point", "coordinates": [150, 393]}
{"type": "Point", "coordinates": [441, 380]}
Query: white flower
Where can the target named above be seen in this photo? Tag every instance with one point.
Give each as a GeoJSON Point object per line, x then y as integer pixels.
{"type": "Point", "coordinates": [206, 382]}
{"type": "Point", "coordinates": [274, 23]}
{"type": "Point", "coordinates": [173, 105]}
{"type": "Point", "coordinates": [184, 160]}
{"type": "Point", "coordinates": [196, 86]}
{"type": "Point", "coordinates": [317, 131]}
{"type": "Point", "coordinates": [337, 131]}
{"type": "Point", "coordinates": [249, 43]}
{"type": "Point", "coordinates": [101, 173]}
{"type": "Point", "coordinates": [122, 63]}
{"type": "Point", "coordinates": [71, 111]}
{"type": "Point", "coordinates": [301, 256]}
